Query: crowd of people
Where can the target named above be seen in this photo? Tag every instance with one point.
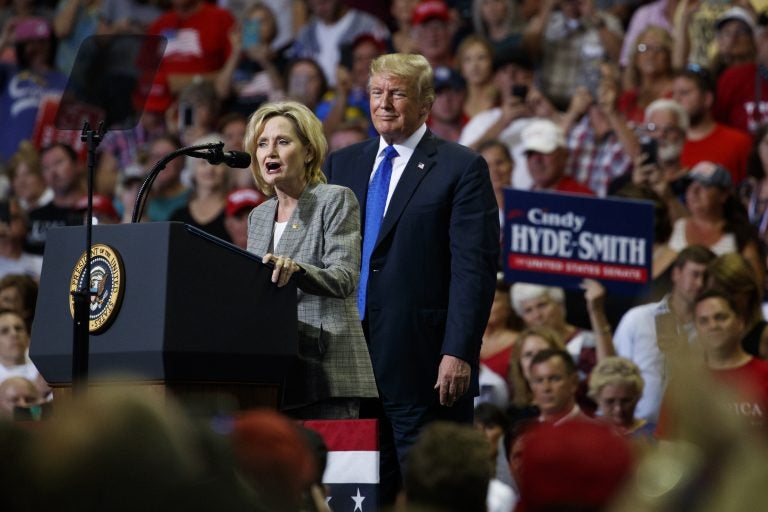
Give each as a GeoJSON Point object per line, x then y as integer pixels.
{"type": "Point", "coordinates": [383, 135]}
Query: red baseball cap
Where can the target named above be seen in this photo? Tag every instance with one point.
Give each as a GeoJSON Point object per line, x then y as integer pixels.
{"type": "Point", "coordinates": [242, 198]}
{"type": "Point", "coordinates": [101, 205]}
{"type": "Point", "coordinates": [579, 463]}
{"type": "Point", "coordinates": [431, 9]}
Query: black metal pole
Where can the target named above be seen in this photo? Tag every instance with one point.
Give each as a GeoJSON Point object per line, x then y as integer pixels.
{"type": "Point", "coordinates": [81, 340]}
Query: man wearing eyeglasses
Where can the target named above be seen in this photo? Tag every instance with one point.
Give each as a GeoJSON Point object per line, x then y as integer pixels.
{"type": "Point", "coordinates": [661, 170]}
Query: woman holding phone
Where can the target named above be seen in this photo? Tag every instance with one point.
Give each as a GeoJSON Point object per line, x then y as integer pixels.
{"type": "Point", "coordinates": [251, 74]}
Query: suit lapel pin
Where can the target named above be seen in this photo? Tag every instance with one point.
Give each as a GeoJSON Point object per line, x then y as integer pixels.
{"type": "Point", "coordinates": [294, 226]}
{"type": "Point", "coordinates": [420, 165]}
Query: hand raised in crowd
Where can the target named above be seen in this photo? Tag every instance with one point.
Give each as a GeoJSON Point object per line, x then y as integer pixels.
{"type": "Point", "coordinates": [608, 90]}
{"type": "Point", "coordinates": [648, 175]}
{"type": "Point", "coordinates": [539, 105]}
{"type": "Point", "coordinates": [580, 102]}
{"type": "Point", "coordinates": [594, 294]}
{"type": "Point", "coordinates": [236, 39]}
{"type": "Point", "coordinates": [343, 81]}
{"type": "Point", "coordinates": [452, 379]}
{"type": "Point", "coordinates": [513, 108]}
{"type": "Point", "coordinates": [284, 268]}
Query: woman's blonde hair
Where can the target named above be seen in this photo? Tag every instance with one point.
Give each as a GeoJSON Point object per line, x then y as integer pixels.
{"type": "Point", "coordinates": [308, 129]}
{"type": "Point", "coordinates": [666, 40]}
{"type": "Point", "coordinates": [521, 390]}
{"type": "Point", "coordinates": [26, 154]}
{"type": "Point", "coordinates": [615, 370]}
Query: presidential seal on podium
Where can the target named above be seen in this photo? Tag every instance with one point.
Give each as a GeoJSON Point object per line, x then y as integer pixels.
{"type": "Point", "coordinates": [106, 285]}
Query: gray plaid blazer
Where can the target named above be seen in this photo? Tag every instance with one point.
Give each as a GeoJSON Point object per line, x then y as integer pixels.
{"type": "Point", "coordinates": [323, 236]}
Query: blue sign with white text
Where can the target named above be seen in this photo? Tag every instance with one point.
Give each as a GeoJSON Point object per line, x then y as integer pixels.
{"type": "Point", "coordinates": [559, 239]}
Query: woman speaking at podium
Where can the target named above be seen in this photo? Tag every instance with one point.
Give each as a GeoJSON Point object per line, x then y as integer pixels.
{"type": "Point", "coordinates": [310, 231]}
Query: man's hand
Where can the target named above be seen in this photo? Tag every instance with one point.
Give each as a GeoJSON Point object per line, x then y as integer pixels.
{"type": "Point", "coordinates": [452, 379]}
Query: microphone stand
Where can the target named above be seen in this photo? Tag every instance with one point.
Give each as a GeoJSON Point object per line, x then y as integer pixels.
{"type": "Point", "coordinates": [81, 297]}
{"type": "Point", "coordinates": [214, 150]}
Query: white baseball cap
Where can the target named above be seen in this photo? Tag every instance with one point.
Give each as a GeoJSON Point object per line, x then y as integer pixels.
{"type": "Point", "coordinates": [542, 136]}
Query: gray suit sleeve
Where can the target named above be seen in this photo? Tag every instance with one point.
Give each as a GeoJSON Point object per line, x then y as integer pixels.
{"type": "Point", "coordinates": [338, 271]}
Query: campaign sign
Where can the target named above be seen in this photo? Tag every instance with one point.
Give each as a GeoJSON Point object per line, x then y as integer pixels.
{"type": "Point", "coordinates": [46, 133]}
{"type": "Point", "coordinates": [559, 239]}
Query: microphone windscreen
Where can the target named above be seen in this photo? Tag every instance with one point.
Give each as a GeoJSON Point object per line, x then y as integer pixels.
{"type": "Point", "coordinates": [238, 159]}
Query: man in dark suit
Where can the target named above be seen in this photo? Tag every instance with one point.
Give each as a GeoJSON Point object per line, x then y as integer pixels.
{"type": "Point", "coordinates": [430, 247]}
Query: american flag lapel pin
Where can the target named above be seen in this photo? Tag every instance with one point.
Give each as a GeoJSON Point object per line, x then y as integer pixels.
{"type": "Point", "coordinates": [420, 165]}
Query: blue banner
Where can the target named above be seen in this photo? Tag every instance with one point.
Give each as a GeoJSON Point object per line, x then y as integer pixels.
{"type": "Point", "coordinates": [559, 239]}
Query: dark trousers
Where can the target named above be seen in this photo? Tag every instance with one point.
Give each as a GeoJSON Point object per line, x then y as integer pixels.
{"type": "Point", "coordinates": [399, 428]}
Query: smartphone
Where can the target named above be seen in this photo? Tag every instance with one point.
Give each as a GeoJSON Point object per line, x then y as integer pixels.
{"type": "Point", "coordinates": [520, 91]}
{"type": "Point", "coordinates": [346, 59]}
{"type": "Point", "coordinates": [251, 32]}
{"type": "Point", "coordinates": [186, 115]}
{"type": "Point", "coordinates": [650, 147]}
{"type": "Point", "coordinates": [5, 212]}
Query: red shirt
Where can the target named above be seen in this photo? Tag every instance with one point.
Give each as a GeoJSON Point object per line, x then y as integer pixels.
{"type": "Point", "coordinates": [633, 112]}
{"type": "Point", "coordinates": [750, 381]}
{"type": "Point", "coordinates": [499, 362]}
{"type": "Point", "coordinates": [570, 185]}
{"type": "Point", "coordinates": [748, 384]}
{"type": "Point", "coordinates": [198, 43]}
{"type": "Point", "coordinates": [736, 99]}
{"type": "Point", "coordinates": [726, 146]}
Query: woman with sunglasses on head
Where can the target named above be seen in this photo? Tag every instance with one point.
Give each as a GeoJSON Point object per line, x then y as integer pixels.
{"type": "Point", "coordinates": [649, 74]}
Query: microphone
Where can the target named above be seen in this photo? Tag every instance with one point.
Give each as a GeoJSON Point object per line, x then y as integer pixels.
{"type": "Point", "coordinates": [213, 152]}
{"type": "Point", "coordinates": [215, 155]}
{"type": "Point", "coordinates": [236, 159]}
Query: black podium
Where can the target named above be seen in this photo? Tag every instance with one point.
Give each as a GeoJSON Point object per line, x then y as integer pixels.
{"type": "Point", "coordinates": [196, 314]}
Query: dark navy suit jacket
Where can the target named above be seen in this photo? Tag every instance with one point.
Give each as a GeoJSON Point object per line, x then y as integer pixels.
{"type": "Point", "coordinates": [433, 269]}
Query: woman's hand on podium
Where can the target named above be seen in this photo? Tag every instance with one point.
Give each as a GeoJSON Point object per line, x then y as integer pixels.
{"type": "Point", "coordinates": [284, 268]}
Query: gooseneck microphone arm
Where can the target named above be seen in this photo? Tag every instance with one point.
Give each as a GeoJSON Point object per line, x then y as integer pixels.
{"type": "Point", "coordinates": [213, 152]}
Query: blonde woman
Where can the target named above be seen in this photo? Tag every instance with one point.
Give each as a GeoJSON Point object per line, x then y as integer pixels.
{"type": "Point", "coordinates": [648, 76]}
{"type": "Point", "coordinates": [310, 231]}
{"type": "Point", "coordinates": [616, 386]}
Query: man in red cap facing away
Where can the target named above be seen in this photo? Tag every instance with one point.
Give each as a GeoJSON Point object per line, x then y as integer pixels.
{"type": "Point", "coordinates": [240, 202]}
